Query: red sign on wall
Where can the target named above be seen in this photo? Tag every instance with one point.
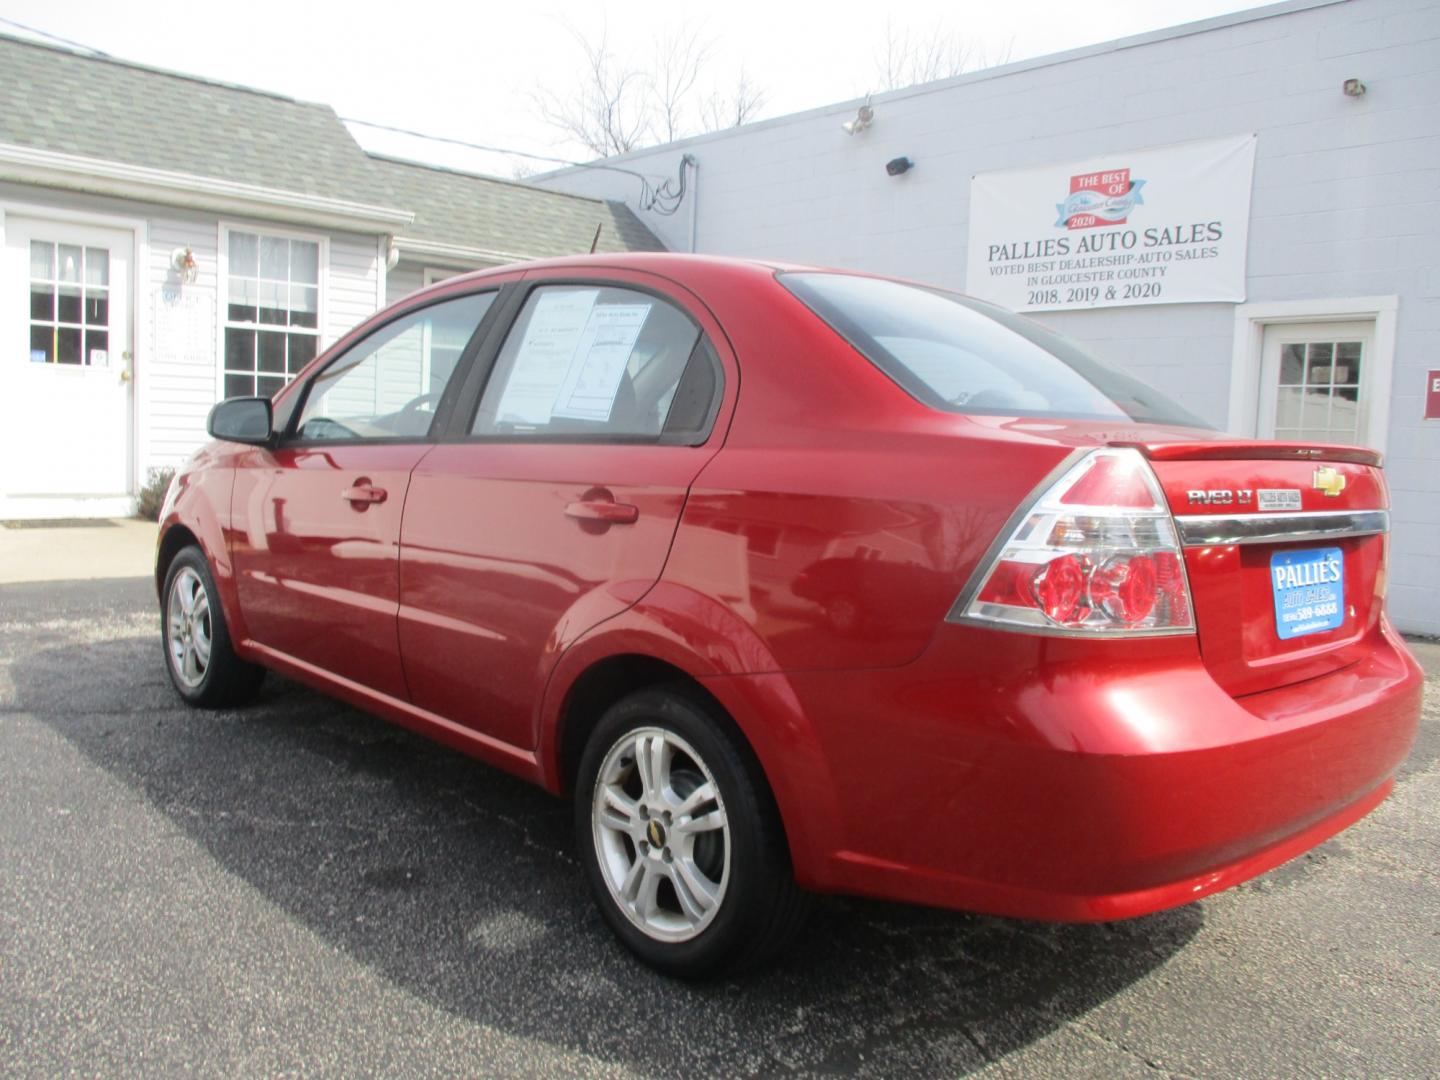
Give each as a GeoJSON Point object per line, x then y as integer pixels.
{"type": "Point", "coordinates": [1432, 395]}
{"type": "Point", "coordinates": [1099, 198]}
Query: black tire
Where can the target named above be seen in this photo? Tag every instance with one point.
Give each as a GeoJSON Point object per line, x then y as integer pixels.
{"type": "Point", "coordinates": [759, 906]}
{"type": "Point", "coordinates": [225, 679]}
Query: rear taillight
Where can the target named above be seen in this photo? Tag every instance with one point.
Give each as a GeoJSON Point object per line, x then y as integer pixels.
{"type": "Point", "coordinates": [1097, 552]}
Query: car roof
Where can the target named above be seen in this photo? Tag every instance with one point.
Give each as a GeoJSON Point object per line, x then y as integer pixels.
{"type": "Point", "coordinates": [680, 267]}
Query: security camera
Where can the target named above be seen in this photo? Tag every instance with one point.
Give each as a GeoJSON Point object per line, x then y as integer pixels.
{"type": "Point", "coordinates": [899, 166]}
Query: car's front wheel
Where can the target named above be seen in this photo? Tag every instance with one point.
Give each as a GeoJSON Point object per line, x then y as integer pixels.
{"type": "Point", "coordinates": [198, 655]}
{"type": "Point", "coordinates": [680, 838]}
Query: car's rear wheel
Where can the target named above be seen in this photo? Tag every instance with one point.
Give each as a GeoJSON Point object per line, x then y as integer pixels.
{"type": "Point", "coordinates": [680, 838]}
{"type": "Point", "coordinates": [202, 665]}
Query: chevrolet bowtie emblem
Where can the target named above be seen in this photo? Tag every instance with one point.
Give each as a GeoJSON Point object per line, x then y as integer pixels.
{"type": "Point", "coordinates": [1328, 480]}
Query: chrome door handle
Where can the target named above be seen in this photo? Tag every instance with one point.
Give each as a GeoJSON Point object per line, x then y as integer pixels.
{"type": "Point", "coordinates": [612, 513]}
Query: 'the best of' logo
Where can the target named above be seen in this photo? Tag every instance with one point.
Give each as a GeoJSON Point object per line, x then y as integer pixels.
{"type": "Point", "coordinates": [1099, 198]}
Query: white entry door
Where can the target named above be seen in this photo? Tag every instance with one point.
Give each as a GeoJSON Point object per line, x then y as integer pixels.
{"type": "Point", "coordinates": [1316, 382]}
{"type": "Point", "coordinates": [65, 372]}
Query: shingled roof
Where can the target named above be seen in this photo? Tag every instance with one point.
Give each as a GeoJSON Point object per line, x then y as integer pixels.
{"type": "Point", "coordinates": [456, 207]}
{"type": "Point", "coordinates": [55, 99]}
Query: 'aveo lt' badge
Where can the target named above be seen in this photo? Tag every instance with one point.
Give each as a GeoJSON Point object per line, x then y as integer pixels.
{"type": "Point", "coordinates": [1328, 480]}
{"type": "Point", "coordinates": [1219, 497]}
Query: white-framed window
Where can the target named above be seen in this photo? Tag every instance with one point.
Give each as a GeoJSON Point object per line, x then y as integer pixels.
{"type": "Point", "coordinates": [69, 303]}
{"type": "Point", "coordinates": [272, 299]}
{"type": "Point", "coordinates": [1316, 382]}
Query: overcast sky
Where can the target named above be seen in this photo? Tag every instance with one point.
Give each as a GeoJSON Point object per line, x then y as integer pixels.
{"type": "Point", "coordinates": [471, 70]}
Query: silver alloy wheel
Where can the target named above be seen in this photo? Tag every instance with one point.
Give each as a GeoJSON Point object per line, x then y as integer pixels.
{"type": "Point", "coordinates": [661, 834]}
{"type": "Point", "coordinates": [187, 628]}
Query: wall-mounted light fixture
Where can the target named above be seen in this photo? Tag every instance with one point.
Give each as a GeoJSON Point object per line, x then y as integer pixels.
{"type": "Point", "coordinates": [392, 255]}
{"type": "Point", "coordinates": [185, 265]}
{"type": "Point", "coordinates": [899, 166]}
{"type": "Point", "coordinates": [864, 117]}
{"type": "Point", "coordinates": [1353, 88]}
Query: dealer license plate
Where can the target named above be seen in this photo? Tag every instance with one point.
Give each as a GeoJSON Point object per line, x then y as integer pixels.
{"type": "Point", "coordinates": [1309, 589]}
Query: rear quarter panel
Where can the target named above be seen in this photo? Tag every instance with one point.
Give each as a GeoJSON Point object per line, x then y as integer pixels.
{"type": "Point", "coordinates": [842, 517]}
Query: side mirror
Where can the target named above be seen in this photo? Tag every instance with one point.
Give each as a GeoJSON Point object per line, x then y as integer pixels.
{"type": "Point", "coordinates": [242, 420]}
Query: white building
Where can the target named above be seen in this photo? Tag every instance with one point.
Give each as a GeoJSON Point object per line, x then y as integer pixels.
{"type": "Point", "coordinates": [166, 241]}
{"type": "Point", "coordinates": [1319, 316]}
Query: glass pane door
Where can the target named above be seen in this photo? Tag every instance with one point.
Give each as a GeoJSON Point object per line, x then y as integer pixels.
{"type": "Point", "coordinates": [1316, 382]}
{"type": "Point", "coordinates": [69, 304]}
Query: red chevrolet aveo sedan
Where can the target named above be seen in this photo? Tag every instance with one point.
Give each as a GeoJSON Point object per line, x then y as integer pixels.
{"type": "Point", "coordinates": [799, 580]}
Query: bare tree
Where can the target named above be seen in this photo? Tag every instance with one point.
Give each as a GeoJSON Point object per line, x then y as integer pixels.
{"type": "Point", "coordinates": [679, 58]}
{"type": "Point", "coordinates": [609, 110]}
{"type": "Point", "coordinates": [617, 106]}
{"type": "Point", "coordinates": [720, 110]}
{"type": "Point", "coordinates": [908, 56]}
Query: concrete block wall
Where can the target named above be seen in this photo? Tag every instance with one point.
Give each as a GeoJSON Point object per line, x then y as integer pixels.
{"type": "Point", "coordinates": [1346, 197]}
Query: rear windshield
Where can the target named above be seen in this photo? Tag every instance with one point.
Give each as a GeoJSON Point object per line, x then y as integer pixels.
{"type": "Point", "coordinates": [965, 356]}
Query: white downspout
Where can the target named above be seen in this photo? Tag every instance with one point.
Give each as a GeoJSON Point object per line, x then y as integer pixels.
{"type": "Point", "coordinates": [690, 160]}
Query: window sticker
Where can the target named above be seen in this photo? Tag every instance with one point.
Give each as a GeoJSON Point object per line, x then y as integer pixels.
{"type": "Point", "coordinates": [593, 381]}
{"type": "Point", "coordinates": [544, 359]}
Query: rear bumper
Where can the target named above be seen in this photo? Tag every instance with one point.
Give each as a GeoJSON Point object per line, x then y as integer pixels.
{"type": "Point", "coordinates": [1080, 781]}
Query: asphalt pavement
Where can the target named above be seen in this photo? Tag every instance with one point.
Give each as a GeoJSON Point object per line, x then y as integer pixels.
{"type": "Point", "coordinates": [299, 889]}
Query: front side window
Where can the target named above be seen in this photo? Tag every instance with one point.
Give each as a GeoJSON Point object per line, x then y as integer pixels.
{"type": "Point", "coordinates": [272, 313]}
{"type": "Point", "coordinates": [388, 385]}
{"type": "Point", "coordinates": [69, 304]}
{"type": "Point", "coordinates": [598, 362]}
{"type": "Point", "coordinates": [962, 355]}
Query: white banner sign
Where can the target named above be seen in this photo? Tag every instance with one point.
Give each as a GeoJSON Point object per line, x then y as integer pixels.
{"type": "Point", "coordinates": [1164, 226]}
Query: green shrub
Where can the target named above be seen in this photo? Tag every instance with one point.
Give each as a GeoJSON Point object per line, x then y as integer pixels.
{"type": "Point", "coordinates": [152, 495]}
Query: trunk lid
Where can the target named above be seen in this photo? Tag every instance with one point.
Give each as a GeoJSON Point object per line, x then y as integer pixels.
{"type": "Point", "coordinates": [1285, 549]}
{"type": "Point", "coordinates": [1334, 503]}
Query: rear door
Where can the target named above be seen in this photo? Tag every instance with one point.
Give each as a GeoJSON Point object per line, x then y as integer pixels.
{"type": "Point", "coordinates": [316, 533]}
{"type": "Point", "coordinates": [1285, 549]}
{"type": "Point", "coordinates": [553, 505]}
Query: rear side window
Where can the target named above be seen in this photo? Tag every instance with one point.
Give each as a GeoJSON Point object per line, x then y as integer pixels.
{"type": "Point", "coordinates": [965, 356]}
{"type": "Point", "coordinates": [599, 362]}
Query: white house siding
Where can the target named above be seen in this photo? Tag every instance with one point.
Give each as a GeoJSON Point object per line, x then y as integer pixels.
{"type": "Point", "coordinates": [176, 387]}
{"type": "Point", "coordinates": [1346, 197]}
{"type": "Point", "coordinates": [352, 286]}
{"type": "Point", "coordinates": [402, 281]}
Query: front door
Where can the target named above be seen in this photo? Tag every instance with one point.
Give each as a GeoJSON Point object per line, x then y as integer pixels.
{"type": "Point", "coordinates": [1316, 381]}
{"type": "Point", "coordinates": [65, 363]}
{"type": "Point", "coordinates": [316, 521]}
{"type": "Point", "coordinates": [555, 507]}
